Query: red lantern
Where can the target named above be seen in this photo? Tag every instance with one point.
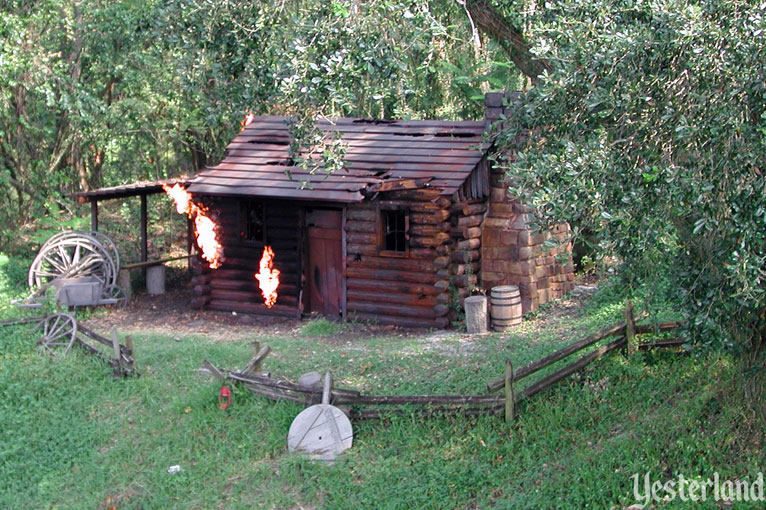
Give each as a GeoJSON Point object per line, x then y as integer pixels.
{"type": "Point", "coordinates": [224, 399]}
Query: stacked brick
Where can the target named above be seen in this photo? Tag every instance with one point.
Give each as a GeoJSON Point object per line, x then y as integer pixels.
{"type": "Point", "coordinates": [512, 252]}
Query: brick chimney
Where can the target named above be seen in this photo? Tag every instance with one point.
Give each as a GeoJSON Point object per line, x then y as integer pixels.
{"type": "Point", "coordinates": [498, 103]}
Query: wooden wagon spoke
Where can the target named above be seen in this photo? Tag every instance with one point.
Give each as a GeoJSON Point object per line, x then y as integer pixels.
{"type": "Point", "coordinates": [59, 330]}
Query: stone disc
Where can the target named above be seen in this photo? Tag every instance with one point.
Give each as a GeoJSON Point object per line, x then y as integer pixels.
{"type": "Point", "coordinates": [322, 431]}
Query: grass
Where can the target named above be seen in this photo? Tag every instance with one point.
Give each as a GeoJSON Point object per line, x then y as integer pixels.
{"type": "Point", "coordinates": [71, 437]}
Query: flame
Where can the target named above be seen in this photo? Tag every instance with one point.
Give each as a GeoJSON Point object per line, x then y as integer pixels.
{"type": "Point", "coordinates": [204, 227]}
{"type": "Point", "coordinates": [268, 277]}
{"type": "Point", "coordinates": [249, 118]}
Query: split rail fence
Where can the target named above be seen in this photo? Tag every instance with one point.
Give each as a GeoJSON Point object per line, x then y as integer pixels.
{"type": "Point", "coordinates": [357, 405]}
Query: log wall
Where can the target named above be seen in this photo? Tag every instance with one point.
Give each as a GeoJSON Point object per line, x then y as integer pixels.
{"type": "Point", "coordinates": [233, 286]}
{"type": "Point", "coordinates": [407, 290]}
{"type": "Point", "coordinates": [466, 219]}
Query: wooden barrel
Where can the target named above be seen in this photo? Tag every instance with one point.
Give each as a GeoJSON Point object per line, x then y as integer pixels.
{"type": "Point", "coordinates": [505, 310]}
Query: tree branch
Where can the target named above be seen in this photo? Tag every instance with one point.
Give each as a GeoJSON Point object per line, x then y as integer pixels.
{"type": "Point", "coordinates": [508, 37]}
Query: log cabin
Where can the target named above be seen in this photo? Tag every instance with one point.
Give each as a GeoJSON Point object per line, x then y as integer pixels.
{"type": "Point", "coordinates": [417, 220]}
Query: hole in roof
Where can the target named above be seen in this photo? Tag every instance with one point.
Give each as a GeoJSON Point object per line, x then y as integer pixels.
{"type": "Point", "coordinates": [281, 162]}
{"type": "Point", "coordinates": [374, 121]}
{"type": "Point", "coordinates": [269, 142]}
{"type": "Point", "coordinates": [457, 135]}
{"type": "Point", "coordinates": [406, 134]}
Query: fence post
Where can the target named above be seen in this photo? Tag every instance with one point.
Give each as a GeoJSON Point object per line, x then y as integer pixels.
{"type": "Point", "coordinates": [509, 411]}
{"type": "Point", "coordinates": [630, 328]}
{"type": "Point", "coordinates": [116, 361]}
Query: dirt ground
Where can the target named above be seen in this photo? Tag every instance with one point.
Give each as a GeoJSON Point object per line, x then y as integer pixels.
{"type": "Point", "coordinates": [171, 314]}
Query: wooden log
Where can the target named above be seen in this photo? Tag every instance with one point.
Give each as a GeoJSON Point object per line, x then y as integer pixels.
{"type": "Point", "coordinates": [443, 298]}
{"type": "Point", "coordinates": [130, 346]}
{"type": "Point", "coordinates": [470, 221]}
{"type": "Point", "coordinates": [430, 217]}
{"type": "Point", "coordinates": [531, 368]}
{"type": "Point", "coordinates": [262, 380]}
{"type": "Point", "coordinates": [442, 202]}
{"type": "Point", "coordinates": [397, 287]}
{"type": "Point", "coordinates": [441, 285]}
{"type": "Point", "coordinates": [93, 335]}
{"type": "Point", "coordinates": [466, 233]}
{"type": "Point", "coordinates": [421, 399]}
{"type": "Point", "coordinates": [469, 268]}
{"type": "Point", "coordinates": [391, 310]}
{"type": "Point", "coordinates": [465, 280]}
{"type": "Point", "coordinates": [327, 388]}
{"type": "Point", "coordinates": [422, 194]}
{"type": "Point", "coordinates": [469, 244]}
{"type": "Point", "coordinates": [389, 274]}
{"type": "Point", "coordinates": [355, 213]}
{"type": "Point", "coordinates": [442, 322]}
{"type": "Point", "coordinates": [473, 209]}
{"type": "Point", "coordinates": [391, 297]}
{"type": "Point", "coordinates": [362, 238]}
{"type": "Point", "coordinates": [138, 265]}
{"type": "Point", "coordinates": [405, 264]}
{"type": "Point", "coordinates": [409, 205]}
{"type": "Point", "coordinates": [430, 230]}
{"type": "Point", "coordinates": [630, 328]}
{"type": "Point", "coordinates": [441, 262]}
{"type": "Point", "coordinates": [213, 370]}
{"type": "Point", "coordinates": [642, 329]}
{"type": "Point", "coordinates": [431, 240]}
{"type": "Point", "coordinates": [509, 398]}
{"type": "Point", "coordinates": [273, 394]}
{"type": "Point", "coordinates": [373, 414]}
{"type": "Point", "coordinates": [465, 257]}
{"type": "Point", "coordinates": [362, 249]}
{"type": "Point", "coordinates": [201, 290]}
{"type": "Point", "coordinates": [25, 320]}
{"type": "Point", "coordinates": [253, 365]}
{"type": "Point", "coordinates": [440, 310]}
{"type": "Point", "coordinates": [424, 253]}
{"type": "Point", "coordinates": [581, 363]}
{"type": "Point", "coordinates": [117, 356]}
{"type": "Point", "coordinates": [361, 226]}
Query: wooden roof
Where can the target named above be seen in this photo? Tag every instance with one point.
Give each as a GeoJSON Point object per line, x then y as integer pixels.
{"type": "Point", "coordinates": [257, 162]}
{"type": "Point", "coordinates": [127, 190]}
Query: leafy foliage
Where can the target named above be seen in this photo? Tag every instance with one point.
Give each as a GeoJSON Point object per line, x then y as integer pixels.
{"type": "Point", "coordinates": [650, 131]}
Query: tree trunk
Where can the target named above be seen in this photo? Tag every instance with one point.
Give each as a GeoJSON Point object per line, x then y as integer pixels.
{"type": "Point", "coordinates": [509, 37]}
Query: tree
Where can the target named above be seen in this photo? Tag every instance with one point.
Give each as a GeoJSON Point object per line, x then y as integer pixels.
{"type": "Point", "coordinates": [650, 128]}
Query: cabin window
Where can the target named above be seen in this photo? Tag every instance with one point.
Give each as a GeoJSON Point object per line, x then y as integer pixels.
{"type": "Point", "coordinates": [394, 229]}
{"type": "Point", "coordinates": [253, 221]}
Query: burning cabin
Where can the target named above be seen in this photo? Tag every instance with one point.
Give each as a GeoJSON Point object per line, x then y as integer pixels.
{"type": "Point", "coordinates": [417, 220]}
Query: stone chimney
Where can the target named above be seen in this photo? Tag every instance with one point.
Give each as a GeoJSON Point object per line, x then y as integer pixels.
{"type": "Point", "coordinates": [498, 103]}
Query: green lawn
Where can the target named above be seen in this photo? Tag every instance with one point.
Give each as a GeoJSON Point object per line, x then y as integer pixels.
{"type": "Point", "coordinates": [72, 437]}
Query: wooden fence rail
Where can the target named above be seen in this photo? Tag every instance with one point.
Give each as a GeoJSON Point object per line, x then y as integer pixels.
{"type": "Point", "coordinates": [351, 401]}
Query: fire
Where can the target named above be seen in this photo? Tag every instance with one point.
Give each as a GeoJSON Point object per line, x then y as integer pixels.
{"type": "Point", "coordinates": [249, 118]}
{"type": "Point", "coordinates": [268, 277]}
{"type": "Point", "coordinates": [204, 227]}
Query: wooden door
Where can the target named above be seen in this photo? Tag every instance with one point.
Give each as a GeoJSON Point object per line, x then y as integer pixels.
{"type": "Point", "coordinates": [325, 262]}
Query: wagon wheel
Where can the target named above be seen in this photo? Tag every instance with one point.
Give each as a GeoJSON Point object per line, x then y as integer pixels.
{"type": "Point", "coordinates": [110, 247]}
{"type": "Point", "coordinates": [59, 330]}
{"type": "Point", "coordinates": [96, 237]}
{"type": "Point", "coordinates": [70, 257]}
{"type": "Point", "coordinates": [117, 293]}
